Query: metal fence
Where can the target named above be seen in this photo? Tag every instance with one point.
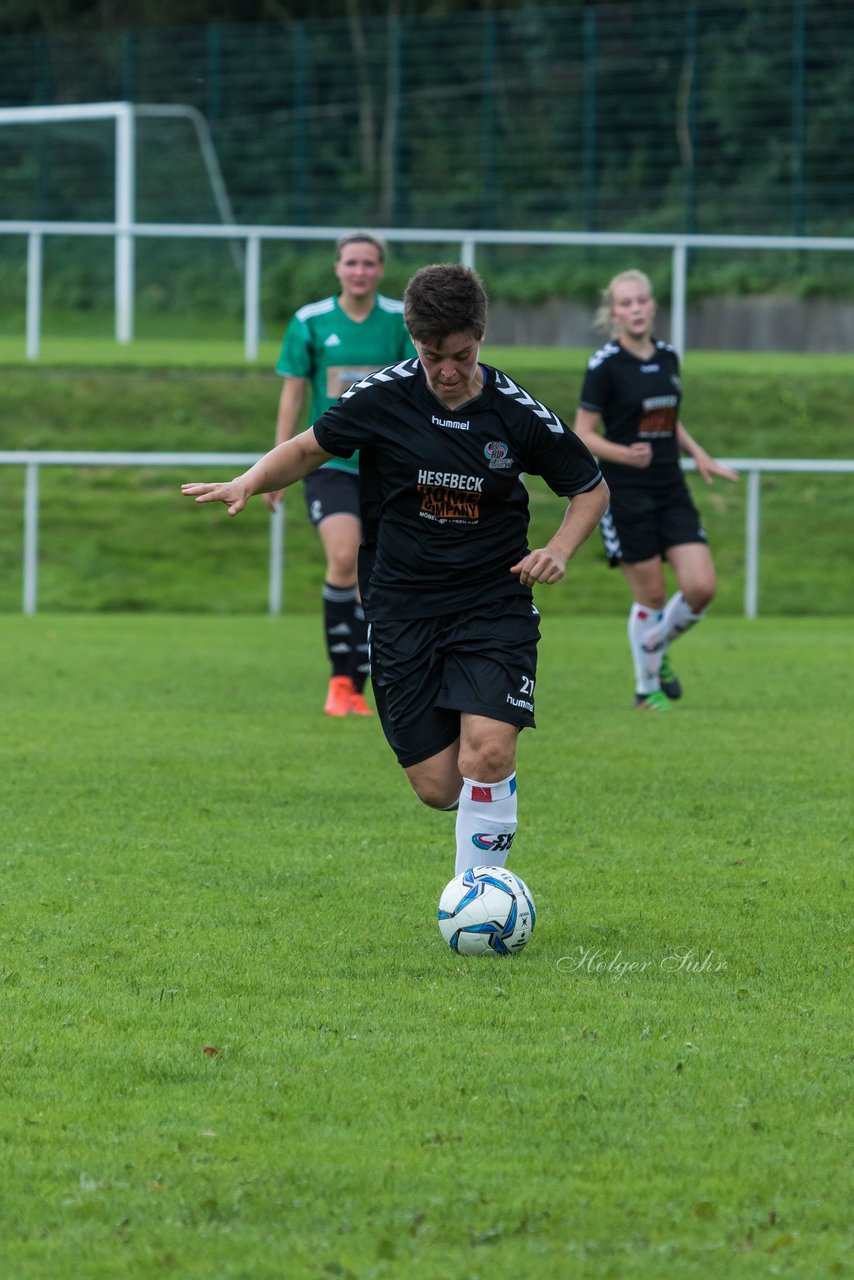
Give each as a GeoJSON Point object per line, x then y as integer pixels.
{"type": "Point", "coordinates": [252, 239]}
{"type": "Point", "coordinates": [705, 117]}
{"type": "Point", "coordinates": [33, 460]}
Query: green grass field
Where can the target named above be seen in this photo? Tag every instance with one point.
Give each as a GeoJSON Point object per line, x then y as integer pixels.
{"type": "Point", "coordinates": [234, 1045]}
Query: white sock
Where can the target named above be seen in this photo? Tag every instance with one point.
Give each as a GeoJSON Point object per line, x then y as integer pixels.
{"type": "Point", "coordinates": [647, 645]}
{"type": "Point", "coordinates": [486, 823]}
{"type": "Point", "coordinates": [678, 618]}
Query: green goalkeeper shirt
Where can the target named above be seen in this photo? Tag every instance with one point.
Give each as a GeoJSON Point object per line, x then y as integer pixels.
{"type": "Point", "coordinates": [333, 352]}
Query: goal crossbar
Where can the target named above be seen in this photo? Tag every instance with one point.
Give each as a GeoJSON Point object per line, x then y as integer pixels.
{"type": "Point", "coordinates": [125, 115]}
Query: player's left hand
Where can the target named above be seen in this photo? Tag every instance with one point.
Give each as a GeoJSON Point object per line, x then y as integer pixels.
{"type": "Point", "coordinates": [233, 494]}
{"type": "Point", "coordinates": [541, 565]}
{"type": "Point", "coordinates": [708, 469]}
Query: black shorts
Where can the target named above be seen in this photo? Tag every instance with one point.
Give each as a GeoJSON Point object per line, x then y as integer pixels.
{"type": "Point", "coordinates": [331, 492]}
{"type": "Point", "coordinates": [425, 671]}
{"type": "Point", "coordinates": [642, 523]}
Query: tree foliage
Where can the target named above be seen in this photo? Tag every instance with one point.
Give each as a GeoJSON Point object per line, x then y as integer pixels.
{"type": "Point", "coordinates": [112, 15]}
{"type": "Point", "coordinates": [651, 116]}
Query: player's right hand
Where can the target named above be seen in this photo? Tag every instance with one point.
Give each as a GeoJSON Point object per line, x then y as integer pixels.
{"type": "Point", "coordinates": [231, 493]}
{"type": "Point", "coordinates": [273, 500]}
{"type": "Point", "coordinates": [638, 454]}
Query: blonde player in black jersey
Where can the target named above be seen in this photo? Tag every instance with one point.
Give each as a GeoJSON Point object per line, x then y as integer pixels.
{"type": "Point", "coordinates": [632, 390]}
{"type": "Point", "coordinates": [445, 569]}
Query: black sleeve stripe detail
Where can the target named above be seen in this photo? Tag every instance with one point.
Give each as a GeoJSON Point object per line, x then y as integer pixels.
{"type": "Point", "coordinates": [604, 353]}
{"type": "Point", "coordinates": [405, 369]}
{"type": "Point", "coordinates": [509, 388]}
{"type": "Point", "coordinates": [597, 479]}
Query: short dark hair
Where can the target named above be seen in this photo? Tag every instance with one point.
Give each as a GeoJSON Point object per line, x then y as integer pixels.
{"type": "Point", "coordinates": [360, 237]}
{"type": "Point", "coordinates": [443, 299]}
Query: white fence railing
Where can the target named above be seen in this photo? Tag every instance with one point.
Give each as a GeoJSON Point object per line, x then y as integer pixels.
{"type": "Point", "coordinates": [252, 237]}
{"type": "Point", "coordinates": [33, 460]}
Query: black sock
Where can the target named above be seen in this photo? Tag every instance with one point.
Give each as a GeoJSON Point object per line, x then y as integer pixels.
{"type": "Point", "coordinates": [338, 626]}
{"type": "Point", "coordinates": [361, 667]}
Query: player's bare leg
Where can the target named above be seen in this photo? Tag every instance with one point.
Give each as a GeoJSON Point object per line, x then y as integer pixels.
{"type": "Point", "coordinates": [695, 572]}
{"type": "Point", "coordinates": [478, 771]}
{"type": "Point", "coordinates": [646, 582]}
{"type": "Point", "coordinates": [437, 780]}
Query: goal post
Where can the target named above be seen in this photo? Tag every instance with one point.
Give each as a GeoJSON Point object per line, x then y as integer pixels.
{"type": "Point", "coordinates": [124, 115]}
{"type": "Point", "coordinates": [125, 195]}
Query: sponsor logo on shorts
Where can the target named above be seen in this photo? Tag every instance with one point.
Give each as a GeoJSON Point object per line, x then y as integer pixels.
{"type": "Point", "coordinates": [520, 702]}
{"type": "Point", "coordinates": [527, 691]}
{"type": "Point", "coordinates": [497, 454]}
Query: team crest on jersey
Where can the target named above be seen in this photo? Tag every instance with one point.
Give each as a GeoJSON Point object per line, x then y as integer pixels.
{"type": "Point", "coordinates": [497, 455]}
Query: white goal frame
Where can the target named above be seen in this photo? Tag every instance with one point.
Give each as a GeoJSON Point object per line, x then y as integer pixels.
{"type": "Point", "coordinates": [125, 115]}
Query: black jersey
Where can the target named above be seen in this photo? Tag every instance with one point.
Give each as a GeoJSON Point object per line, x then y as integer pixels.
{"type": "Point", "coordinates": [637, 400]}
{"type": "Point", "coordinates": [444, 510]}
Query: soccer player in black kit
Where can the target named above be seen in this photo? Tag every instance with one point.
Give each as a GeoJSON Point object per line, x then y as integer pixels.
{"type": "Point", "coordinates": [445, 570]}
{"type": "Point", "coordinates": [632, 388]}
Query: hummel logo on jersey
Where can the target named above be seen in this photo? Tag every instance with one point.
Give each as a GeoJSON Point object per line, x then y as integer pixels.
{"type": "Point", "coordinates": [332, 341]}
{"type": "Point", "coordinates": [449, 422]}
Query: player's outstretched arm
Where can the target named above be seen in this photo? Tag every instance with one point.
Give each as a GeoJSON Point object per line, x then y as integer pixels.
{"type": "Point", "coordinates": [291, 401]}
{"type": "Point", "coordinates": [281, 467]}
{"type": "Point", "coordinates": [706, 465]}
{"type": "Point", "coordinates": [548, 563]}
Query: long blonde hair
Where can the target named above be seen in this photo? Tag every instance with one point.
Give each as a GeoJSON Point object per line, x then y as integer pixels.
{"type": "Point", "coordinates": [602, 319]}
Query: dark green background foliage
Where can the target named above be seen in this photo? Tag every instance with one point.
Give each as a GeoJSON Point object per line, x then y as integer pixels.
{"type": "Point", "coordinates": [657, 116]}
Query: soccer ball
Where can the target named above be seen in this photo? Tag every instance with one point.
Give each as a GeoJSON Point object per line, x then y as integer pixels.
{"type": "Point", "coordinates": [486, 911]}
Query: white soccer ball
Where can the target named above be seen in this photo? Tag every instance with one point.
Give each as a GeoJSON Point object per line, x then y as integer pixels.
{"type": "Point", "coordinates": [486, 911]}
